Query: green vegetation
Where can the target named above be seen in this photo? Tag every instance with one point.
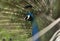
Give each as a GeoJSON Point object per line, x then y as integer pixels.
{"type": "Point", "coordinates": [13, 25]}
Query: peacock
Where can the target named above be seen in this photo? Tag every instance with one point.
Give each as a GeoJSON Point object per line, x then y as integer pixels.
{"type": "Point", "coordinates": [17, 21]}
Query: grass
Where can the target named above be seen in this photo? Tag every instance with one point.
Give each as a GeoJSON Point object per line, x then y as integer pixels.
{"type": "Point", "coordinates": [16, 35]}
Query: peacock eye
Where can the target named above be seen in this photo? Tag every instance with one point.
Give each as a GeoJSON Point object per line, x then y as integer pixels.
{"type": "Point", "coordinates": [28, 17]}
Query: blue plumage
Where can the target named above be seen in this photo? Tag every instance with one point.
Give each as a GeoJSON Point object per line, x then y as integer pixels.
{"type": "Point", "coordinates": [34, 24]}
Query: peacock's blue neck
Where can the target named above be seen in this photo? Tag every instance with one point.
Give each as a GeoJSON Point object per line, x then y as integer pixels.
{"type": "Point", "coordinates": [34, 26]}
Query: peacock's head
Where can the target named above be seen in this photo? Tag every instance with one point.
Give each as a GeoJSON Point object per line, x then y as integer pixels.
{"type": "Point", "coordinates": [29, 17]}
